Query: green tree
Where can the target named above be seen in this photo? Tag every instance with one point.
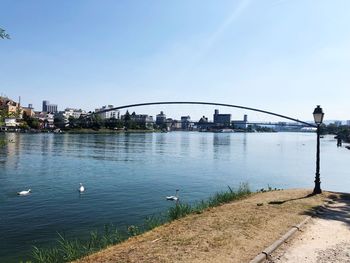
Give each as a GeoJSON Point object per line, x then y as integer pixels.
{"type": "Point", "coordinates": [24, 126]}
{"type": "Point", "coordinates": [59, 121]}
{"type": "Point", "coordinates": [113, 123]}
{"type": "Point", "coordinates": [96, 122]}
{"type": "Point", "coordinates": [30, 121]}
{"type": "Point", "coordinates": [127, 116]}
{"type": "Point", "coordinates": [127, 120]}
{"type": "Point", "coordinates": [3, 115]}
{"type": "Point", "coordinates": [3, 34]}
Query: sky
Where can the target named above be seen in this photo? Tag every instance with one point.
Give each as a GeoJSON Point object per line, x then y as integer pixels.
{"type": "Point", "coordinates": [284, 56]}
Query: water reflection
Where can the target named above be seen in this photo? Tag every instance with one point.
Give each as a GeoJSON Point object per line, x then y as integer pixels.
{"type": "Point", "coordinates": [221, 145]}
{"type": "Point", "coordinates": [10, 151]}
{"type": "Point", "coordinates": [244, 143]}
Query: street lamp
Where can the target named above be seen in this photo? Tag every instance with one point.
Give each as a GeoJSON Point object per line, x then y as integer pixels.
{"type": "Point", "coordinates": [318, 117]}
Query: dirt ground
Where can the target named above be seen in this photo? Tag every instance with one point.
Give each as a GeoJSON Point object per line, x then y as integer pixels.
{"type": "Point", "coordinates": [234, 232]}
{"type": "Point", "coordinates": [326, 238]}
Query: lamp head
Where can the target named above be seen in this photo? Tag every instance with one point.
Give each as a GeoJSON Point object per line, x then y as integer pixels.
{"type": "Point", "coordinates": [318, 115]}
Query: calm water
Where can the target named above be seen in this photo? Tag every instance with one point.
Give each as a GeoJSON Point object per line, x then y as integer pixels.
{"type": "Point", "coordinates": [127, 177]}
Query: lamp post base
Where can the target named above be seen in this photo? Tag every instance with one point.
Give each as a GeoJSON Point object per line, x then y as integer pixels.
{"type": "Point", "coordinates": [317, 189]}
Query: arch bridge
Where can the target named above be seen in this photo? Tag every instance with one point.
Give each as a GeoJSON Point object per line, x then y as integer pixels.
{"type": "Point", "coordinates": [208, 103]}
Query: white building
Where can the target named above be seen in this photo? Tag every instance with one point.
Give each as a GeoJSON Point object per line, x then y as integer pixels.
{"type": "Point", "coordinates": [46, 119]}
{"type": "Point", "coordinates": [105, 114]}
{"type": "Point", "coordinates": [11, 122]}
{"type": "Point", "coordinates": [75, 113]}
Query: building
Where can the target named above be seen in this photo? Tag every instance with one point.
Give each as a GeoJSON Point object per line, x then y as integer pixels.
{"type": "Point", "coordinates": [69, 113]}
{"type": "Point", "coordinates": [241, 124]}
{"type": "Point", "coordinates": [11, 107]}
{"type": "Point", "coordinates": [161, 118]}
{"type": "Point", "coordinates": [106, 112]}
{"type": "Point", "coordinates": [11, 122]}
{"type": "Point", "coordinates": [75, 113]}
{"type": "Point", "coordinates": [186, 122]}
{"type": "Point", "coordinates": [143, 120]}
{"type": "Point", "coordinates": [337, 123]}
{"type": "Point", "coordinates": [46, 119]}
{"type": "Point", "coordinates": [222, 119]}
{"type": "Point", "coordinates": [47, 107]}
{"type": "Point", "coordinates": [45, 103]}
{"type": "Point", "coordinates": [348, 122]}
{"type": "Point", "coordinates": [29, 111]}
{"type": "Point", "coordinates": [204, 125]}
{"type": "Point", "coordinates": [176, 125]}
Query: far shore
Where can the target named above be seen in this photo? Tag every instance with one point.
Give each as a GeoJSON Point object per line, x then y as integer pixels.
{"type": "Point", "coordinates": [106, 131]}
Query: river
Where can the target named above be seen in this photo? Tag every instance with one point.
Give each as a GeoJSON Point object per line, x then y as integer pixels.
{"type": "Point", "coordinates": [127, 177]}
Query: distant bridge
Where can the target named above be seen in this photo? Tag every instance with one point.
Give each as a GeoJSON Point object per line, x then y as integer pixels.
{"type": "Point", "coordinates": [208, 103]}
{"type": "Point", "coordinates": [278, 124]}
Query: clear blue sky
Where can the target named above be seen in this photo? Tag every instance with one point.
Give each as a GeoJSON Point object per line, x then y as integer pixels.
{"type": "Point", "coordinates": [280, 55]}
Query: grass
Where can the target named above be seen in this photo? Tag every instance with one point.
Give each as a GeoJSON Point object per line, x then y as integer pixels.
{"type": "Point", "coordinates": [2, 142]}
{"type": "Point", "coordinates": [67, 250]}
{"type": "Point", "coordinates": [180, 210]}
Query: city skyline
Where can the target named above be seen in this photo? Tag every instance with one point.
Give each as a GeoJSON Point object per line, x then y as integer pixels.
{"type": "Point", "coordinates": [281, 56]}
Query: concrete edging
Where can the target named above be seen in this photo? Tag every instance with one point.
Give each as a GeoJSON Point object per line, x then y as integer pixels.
{"type": "Point", "coordinates": [265, 254]}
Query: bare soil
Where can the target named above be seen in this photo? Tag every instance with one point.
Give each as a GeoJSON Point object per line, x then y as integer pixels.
{"type": "Point", "coordinates": [234, 232]}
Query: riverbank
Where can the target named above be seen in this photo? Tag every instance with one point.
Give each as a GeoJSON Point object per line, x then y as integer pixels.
{"type": "Point", "coordinates": [83, 131]}
{"type": "Point", "coordinates": [234, 232]}
{"type": "Point", "coordinates": [106, 131]}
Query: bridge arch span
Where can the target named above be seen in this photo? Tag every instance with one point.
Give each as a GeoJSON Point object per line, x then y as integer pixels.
{"type": "Point", "coordinates": [208, 103]}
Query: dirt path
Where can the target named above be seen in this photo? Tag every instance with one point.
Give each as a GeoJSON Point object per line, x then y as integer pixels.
{"type": "Point", "coordinates": [326, 238]}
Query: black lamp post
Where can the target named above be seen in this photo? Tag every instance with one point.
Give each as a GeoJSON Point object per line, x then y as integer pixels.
{"type": "Point", "coordinates": [318, 117]}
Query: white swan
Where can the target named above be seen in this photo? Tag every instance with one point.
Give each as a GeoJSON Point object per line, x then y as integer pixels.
{"type": "Point", "coordinates": [172, 197]}
{"type": "Point", "coordinates": [24, 192]}
{"type": "Point", "coordinates": [81, 188]}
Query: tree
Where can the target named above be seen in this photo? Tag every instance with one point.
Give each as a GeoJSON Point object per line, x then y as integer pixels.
{"type": "Point", "coordinates": [3, 34]}
{"type": "Point", "coordinates": [96, 122]}
{"type": "Point", "coordinates": [59, 121]}
{"type": "Point", "coordinates": [127, 120]}
{"type": "Point", "coordinates": [113, 123]}
{"type": "Point", "coordinates": [127, 116]}
{"type": "Point", "coordinates": [3, 115]}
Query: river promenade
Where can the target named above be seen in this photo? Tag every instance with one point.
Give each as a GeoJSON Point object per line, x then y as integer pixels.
{"type": "Point", "coordinates": [325, 238]}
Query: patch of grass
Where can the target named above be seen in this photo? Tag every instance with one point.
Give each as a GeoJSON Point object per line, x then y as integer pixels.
{"type": "Point", "coordinates": [179, 210]}
{"type": "Point", "coordinates": [134, 230]}
{"type": "Point", "coordinates": [46, 255]}
{"type": "Point", "coordinates": [68, 250]}
{"type": "Point", "coordinates": [154, 221]}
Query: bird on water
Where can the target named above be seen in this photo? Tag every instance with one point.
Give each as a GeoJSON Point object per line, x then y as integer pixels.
{"type": "Point", "coordinates": [24, 192]}
{"type": "Point", "coordinates": [173, 197]}
{"type": "Point", "coordinates": [81, 188]}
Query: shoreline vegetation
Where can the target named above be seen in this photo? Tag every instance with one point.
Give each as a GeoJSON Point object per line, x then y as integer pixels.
{"type": "Point", "coordinates": [67, 250]}
{"type": "Point", "coordinates": [107, 131]}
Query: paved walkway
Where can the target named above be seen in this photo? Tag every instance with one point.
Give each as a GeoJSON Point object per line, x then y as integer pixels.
{"type": "Point", "coordinates": [324, 239]}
